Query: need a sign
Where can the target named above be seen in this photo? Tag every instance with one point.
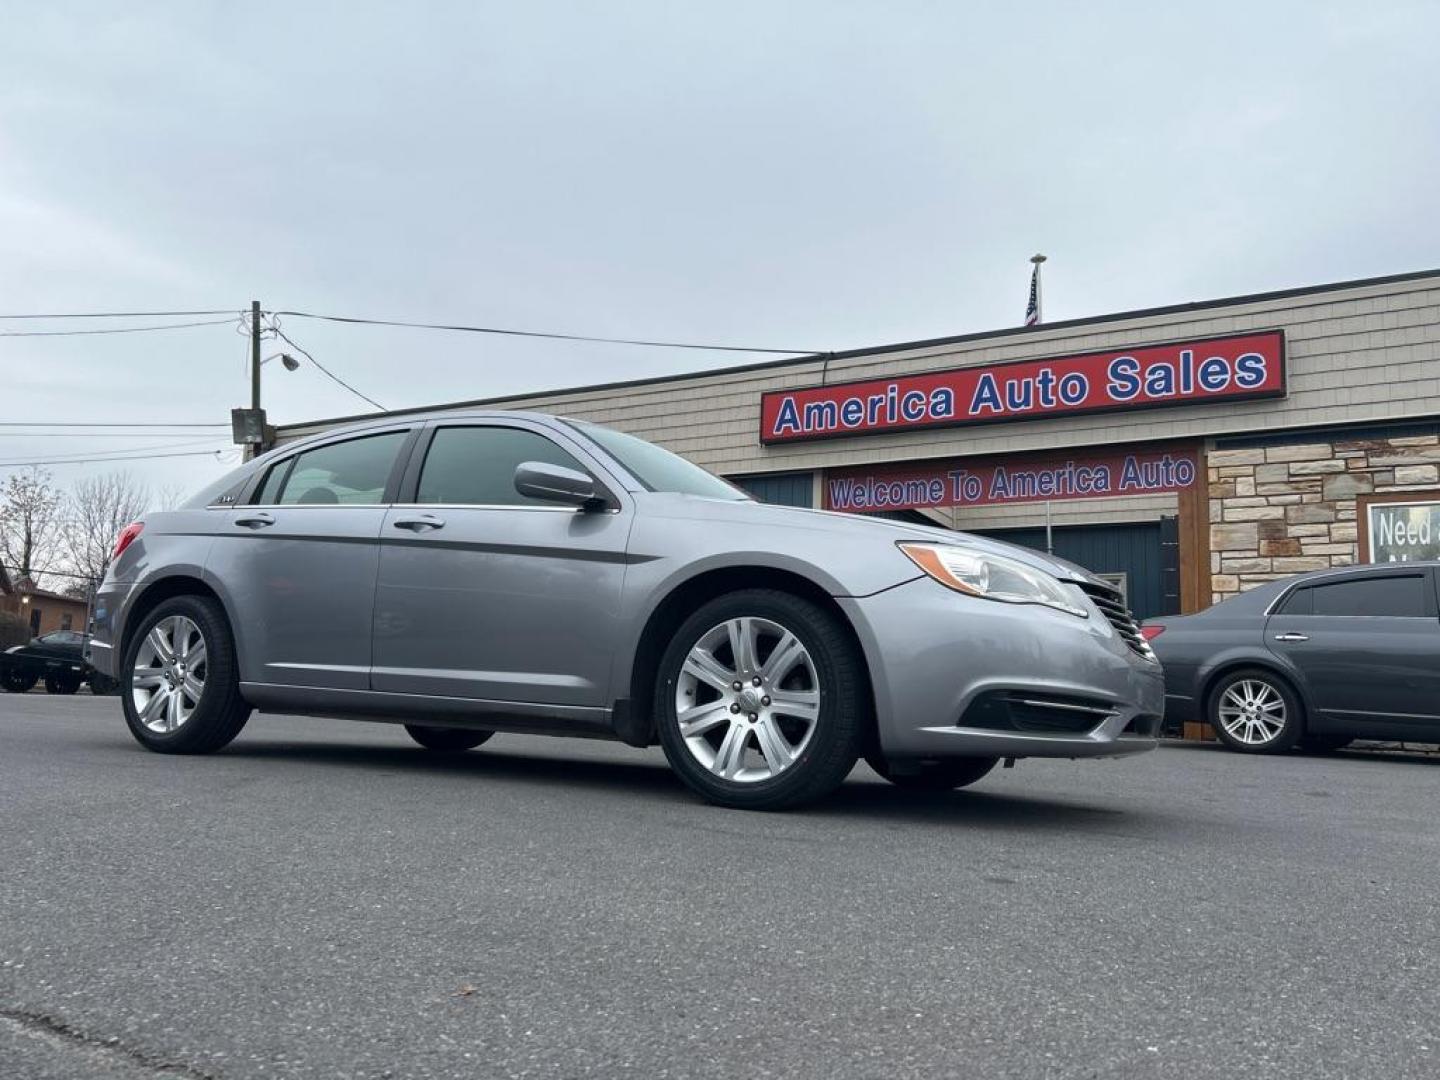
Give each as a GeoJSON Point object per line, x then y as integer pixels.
{"type": "Point", "coordinates": [1241, 366]}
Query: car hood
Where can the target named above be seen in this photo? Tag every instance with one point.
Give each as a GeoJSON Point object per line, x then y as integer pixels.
{"type": "Point", "coordinates": [850, 526]}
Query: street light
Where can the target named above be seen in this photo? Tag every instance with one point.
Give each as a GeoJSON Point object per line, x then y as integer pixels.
{"type": "Point", "coordinates": [248, 425]}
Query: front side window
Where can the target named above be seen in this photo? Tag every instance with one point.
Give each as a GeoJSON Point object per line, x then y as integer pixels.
{"type": "Point", "coordinates": [475, 466]}
{"type": "Point", "coordinates": [353, 472]}
{"type": "Point", "coordinates": [1403, 595]}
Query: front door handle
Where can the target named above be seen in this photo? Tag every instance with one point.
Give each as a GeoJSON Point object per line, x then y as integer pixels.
{"type": "Point", "coordinates": [1291, 635]}
{"type": "Point", "coordinates": [419, 523]}
{"type": "Point", "coordinates": [255, 521]}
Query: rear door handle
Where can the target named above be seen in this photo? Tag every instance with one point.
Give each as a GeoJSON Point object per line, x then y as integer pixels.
{"type": "Point", "coordinates": [421, 523]}
{"type": "Point", "coordinates": [1291, 635]}
{"type": "Point", "coordinates": [255, 521]}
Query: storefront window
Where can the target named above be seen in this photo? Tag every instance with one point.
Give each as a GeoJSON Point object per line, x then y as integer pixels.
{"type": "Point", "coordinates": [1403, 531]}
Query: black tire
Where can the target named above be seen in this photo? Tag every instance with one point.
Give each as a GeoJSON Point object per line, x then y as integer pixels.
{"type": "Point", "coordinates": [943, 775]}
{"type": "Point", "coordinates": [103, 685]}
{"type": "Point", "coordinates": [1324, 744]}
{"type": "Point", "coordinates": [18, 682]}
{"type": "Point", "coordinates": [62, 684]}
{"type": "Point", "coordinates": [220, 712]}
{"type": "Point", "coordinates": [447, 740]}
{"type": "Point", "coordinates": [1289, 732]}
{"type": "Point", "coordinates": [840, 727]}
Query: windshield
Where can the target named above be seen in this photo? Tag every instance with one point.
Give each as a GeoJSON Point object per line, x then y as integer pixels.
{"type": "Point", "coordinates": [658, 469]}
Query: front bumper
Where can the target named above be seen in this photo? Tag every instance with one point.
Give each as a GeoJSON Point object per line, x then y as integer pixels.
{"type": "Point", "coordinates": [940, 660]}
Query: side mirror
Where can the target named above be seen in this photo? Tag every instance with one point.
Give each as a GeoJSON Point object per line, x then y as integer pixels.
{"type": "Point", "coordinates": [555, 483]}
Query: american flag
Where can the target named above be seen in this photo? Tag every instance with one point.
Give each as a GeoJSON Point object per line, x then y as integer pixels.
{"type": "Point", "coordinates": [1032, 309]}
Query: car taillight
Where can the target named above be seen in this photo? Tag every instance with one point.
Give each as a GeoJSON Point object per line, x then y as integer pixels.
{"type": "Point", "coordinates": [126, 538]}
{"type": "Point", "coordinates": [1150, 633]}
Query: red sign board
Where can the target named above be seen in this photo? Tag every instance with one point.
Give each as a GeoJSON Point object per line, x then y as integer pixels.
{"type": "Point", "coordinates": [967, 482]}
{"type": "Point", "coordinates": [1238, 367]}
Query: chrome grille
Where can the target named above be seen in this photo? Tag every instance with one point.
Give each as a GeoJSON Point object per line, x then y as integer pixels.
{"type": "Point", "coordinates": [1113, 608]}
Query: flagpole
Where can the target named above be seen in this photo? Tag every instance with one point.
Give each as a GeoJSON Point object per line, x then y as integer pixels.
{"type": "Point", "coordinates": [1039, 310]}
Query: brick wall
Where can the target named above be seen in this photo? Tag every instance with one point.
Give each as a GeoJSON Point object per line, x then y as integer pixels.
{"type": "Point", "coordinates": [1281, 510]}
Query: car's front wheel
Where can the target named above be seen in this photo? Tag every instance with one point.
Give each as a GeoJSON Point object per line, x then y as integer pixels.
{"type": "Point", "coordinates": [447, 740]}
{"type": "Point", "coordinates": [761, 700]}
{"type": "Point", "coordinates": [181, 688]}
{"type": "Point", "coordinates": [1256, 712]}
{"type": "Point", "coordinates": [944, 775]}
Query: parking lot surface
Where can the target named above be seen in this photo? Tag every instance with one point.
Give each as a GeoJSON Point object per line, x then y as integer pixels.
{"type": "Point", "coordinates": [324, 899]}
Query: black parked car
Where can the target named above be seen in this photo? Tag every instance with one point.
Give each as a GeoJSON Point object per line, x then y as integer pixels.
{"type": "Point", "coordinates": [58, 658]}
{"type": "Point", "coordinates": [1316, 660]}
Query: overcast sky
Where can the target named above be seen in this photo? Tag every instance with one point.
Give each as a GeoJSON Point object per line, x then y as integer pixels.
{"type": "Point", "coordinates": [790, 175]}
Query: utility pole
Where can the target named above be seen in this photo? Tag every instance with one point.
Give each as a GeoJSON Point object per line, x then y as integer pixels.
{"type": "Point", "coordinates": [248, 425]}
{"type": "Point", "coordinates": [255, 354]}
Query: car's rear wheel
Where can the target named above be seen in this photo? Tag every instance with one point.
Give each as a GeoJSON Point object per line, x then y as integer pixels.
{"type": "Point", "coordinates": [18, 682]}
{"type": "Point", "coordinates": [103, 685]}
{"type": "Point", "coordinates": [62, 684]}
{"type": "Point", "coordinates": [181, 692]}
{"type": "Point", "coordinates": [946, 774]}
{"type": "Point", "coordinates": [1256, 712]}
{"type": "Point", "coordinates": [761, 700]}
{"type": "Point", "coordinates": [447, 740]}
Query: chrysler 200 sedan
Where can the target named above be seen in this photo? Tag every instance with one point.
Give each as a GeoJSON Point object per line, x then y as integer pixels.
{"type": "Point", "coordinates": [505, 571]}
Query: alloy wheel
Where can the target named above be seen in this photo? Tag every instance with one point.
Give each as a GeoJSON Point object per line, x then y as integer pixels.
{"type": "Point", "coordinates": [168, 679]}
{"type": "Point", "coordinates": [1252, 712]}
{"type": "Point", "coordinates": [747, 699]}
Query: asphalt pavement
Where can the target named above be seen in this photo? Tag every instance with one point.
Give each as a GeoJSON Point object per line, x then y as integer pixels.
{"type": "Point", "coordinates": [324, 899]}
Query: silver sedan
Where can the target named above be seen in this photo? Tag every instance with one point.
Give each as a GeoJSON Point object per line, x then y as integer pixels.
{"type": "Point", "coordinates": [463, 574]}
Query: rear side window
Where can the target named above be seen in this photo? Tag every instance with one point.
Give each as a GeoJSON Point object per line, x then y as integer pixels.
{"type": "Point", "coordinates": [475, 466]}
{"type": "Point", "coordinates": [1299, 602]}
{"type": "Point", "coordinates": [344, 473]}
{"type": "Point", "coordinates": [1400, 595]}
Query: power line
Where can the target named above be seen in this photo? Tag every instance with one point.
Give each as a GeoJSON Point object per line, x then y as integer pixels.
{"type": "Point", "coordinates": [539, 334]}
{"type": "Point", "coordinates": [113, 329]}
{"type": "Point", "coordinates": [275, 326]}
{"type": "Point", "coordinates": [101, 460]}
{"type": "Point", "coordinates": [126, 454]}
{"type": "Point", "coordinates": [98, 423]}
{"type": "Point", "coordinates": [50, 573]}
{"type": "Point", "coordinates": [96, 434]}
{"type": "Point", "coordinates": [126, 314]}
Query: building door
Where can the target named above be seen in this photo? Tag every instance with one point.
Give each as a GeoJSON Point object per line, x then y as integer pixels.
{"type": "Point", "coordinates": [782, 489]}
{"type": "Point", "coordinates": [1132, 556]}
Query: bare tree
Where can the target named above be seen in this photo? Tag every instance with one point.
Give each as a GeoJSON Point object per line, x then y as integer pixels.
{"type": "Point", "coordinates": [169, 497]}
{"type": "Point", "coordinates": [98, 507]}
{"type": "Point", "coordinates": [31, 540]}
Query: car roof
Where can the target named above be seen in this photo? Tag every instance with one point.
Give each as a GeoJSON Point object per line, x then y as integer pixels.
{"type": "Point", "coordinates": [1312, 576]}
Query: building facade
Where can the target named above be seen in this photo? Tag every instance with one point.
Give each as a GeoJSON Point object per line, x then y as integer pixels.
{"type": "Point", "coordinates": [1186, 452]}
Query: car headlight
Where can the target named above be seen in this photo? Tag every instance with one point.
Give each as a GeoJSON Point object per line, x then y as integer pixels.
{"type": "Point", "coordinates": [13, 648]}
{"type": "Point", "coordinates": [994, 577]}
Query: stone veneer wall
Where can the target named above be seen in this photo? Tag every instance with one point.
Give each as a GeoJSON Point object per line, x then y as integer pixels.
{"type": "Point", "coordinates": [1281, 510]}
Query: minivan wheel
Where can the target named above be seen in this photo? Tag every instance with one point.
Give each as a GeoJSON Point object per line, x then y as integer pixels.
{"type": "Point", "coordinates": [180, 685]}
{"type": "Point", "coordinates": [1256, 712]}
{"type": "Point", "coordinates": [946, 774]}
{"type": "Point", "coordinates": [447, 740]}
{"type": "Point", "coordinates": [760, 700]}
